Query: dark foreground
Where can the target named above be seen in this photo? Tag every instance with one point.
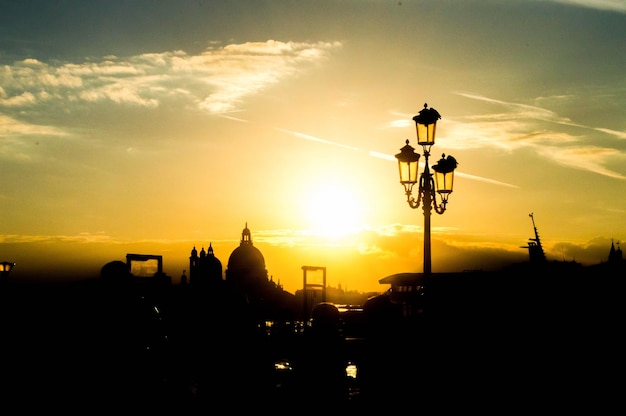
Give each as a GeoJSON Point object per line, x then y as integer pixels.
{"type": "Point", "coordinates": [486, 346]}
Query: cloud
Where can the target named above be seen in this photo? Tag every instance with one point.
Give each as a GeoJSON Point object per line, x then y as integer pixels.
{"type": "Point", "coordinates": [528, 126]}
{"type": "Point", "coordinates": [79, 238]}
{"type": "Point", "coordinates": [586, 157]}
{"type": "Point", "coordinates": [215, 80]}
{"type": "Point", "coordinates": [609, 5]}
{"type": "Point", "coordinates": [10, 127]}
{"type": "Point", "coordinates": [618, 134]}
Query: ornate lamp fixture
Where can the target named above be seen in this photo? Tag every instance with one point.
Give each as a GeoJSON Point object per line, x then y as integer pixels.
{"type": "Point", "coordinates": [408, 161]}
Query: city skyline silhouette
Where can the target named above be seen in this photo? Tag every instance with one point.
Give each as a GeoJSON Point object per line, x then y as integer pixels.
{"type": "Point", "coordinates": [134, 135]}
{"type": "Point", "coordinates": [151, 128]}
{"type": "Point", "coordinates": [243, 343]}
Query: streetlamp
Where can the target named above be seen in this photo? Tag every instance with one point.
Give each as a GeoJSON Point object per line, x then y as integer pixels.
{"type": "Point", "coordinates": [5, 269]}
{"type": "Point", "coordinates": [425, 125]}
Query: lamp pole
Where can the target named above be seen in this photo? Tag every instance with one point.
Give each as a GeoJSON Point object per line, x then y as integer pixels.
{"type": "Point", "coordinates": [408, 163]}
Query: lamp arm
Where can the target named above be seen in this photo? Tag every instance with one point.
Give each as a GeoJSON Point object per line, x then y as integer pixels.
{"type": "Point", "coordinates": [441, 207]}
{"type": "Point", "coordinates": [414, 203]}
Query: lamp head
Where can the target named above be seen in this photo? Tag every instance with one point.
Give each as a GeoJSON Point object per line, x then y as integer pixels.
{"type": "Point", "coordinates": [425, 125]}
{"type": "Point", "coordinates": [444, 175]}
{"type": "Point", "coordinates": [6, 267]}
{"type": "Point", "coordinates": [407, 165]}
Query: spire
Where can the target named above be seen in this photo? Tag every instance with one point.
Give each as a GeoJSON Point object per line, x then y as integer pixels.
{"type": "Point", "coordinates": [615, 255]}
{"type": "Point", "coordinates": [246, 237]}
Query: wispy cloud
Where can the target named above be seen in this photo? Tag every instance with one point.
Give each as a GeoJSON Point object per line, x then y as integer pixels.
{"type": "Point", "coordinates": [610, 5]}
{"type": "Point", "coordinates": [529, 126]}
{"type": "Point", "coordinates": [78, 238]}
{"type": "Point", "coordinates": [587, 158]}
{"type": "Point", "coordinates": [9, 126]}
{"type": "Point", "coordinates": [215, 80]}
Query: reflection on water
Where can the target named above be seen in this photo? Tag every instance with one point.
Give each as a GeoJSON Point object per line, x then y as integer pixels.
{"type": "Point", "coordinates": [351, 370]}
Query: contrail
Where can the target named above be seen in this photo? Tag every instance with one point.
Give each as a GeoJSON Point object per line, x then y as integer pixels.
{"type": "Point", "coordinates": [224, 115]}
{"type": "Point", "coordinates": [317, 139]}
{"type": "Point", "coordinates": [372, 152]}
{"type": "Point", "coordinates": [456, 172]}
{"type": "Point", "coordinates": [487, 180]}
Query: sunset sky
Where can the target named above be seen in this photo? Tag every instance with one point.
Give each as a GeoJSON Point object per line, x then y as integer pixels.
{"type": "Point", "coordinates": [155, 126]}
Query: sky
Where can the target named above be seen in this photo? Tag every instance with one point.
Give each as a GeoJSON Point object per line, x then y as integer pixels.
{"type": "Point", "coordinates": [152, 127]}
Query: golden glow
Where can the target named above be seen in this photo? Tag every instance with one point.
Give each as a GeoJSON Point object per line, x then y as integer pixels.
{"type": "Point", "coordinates": [296, 135]}
{"type": "Point", "coordinates": [333, 210]}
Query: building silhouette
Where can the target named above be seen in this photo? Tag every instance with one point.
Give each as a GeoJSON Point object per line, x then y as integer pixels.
{"type": "Point", "coordinates": [246, 266]}
{"type": "Point", "coordinates": [615, 255]}
{"type": "Point", "coordinates": [245, 280]}
{"type": "Point", "coordinates": [204, 268]}
{"type": "Point", "coordinates": [535, 249]}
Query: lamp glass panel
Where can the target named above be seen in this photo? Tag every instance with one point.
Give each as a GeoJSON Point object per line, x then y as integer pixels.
{"type": "Point", "coordinates": [444, 182]}
{"type": "Point", "coordinates": [6, 266]}
{"type": "Point", "coordinates": [408, 171]}
{"type": "Point", "coordinates": [425, 134]}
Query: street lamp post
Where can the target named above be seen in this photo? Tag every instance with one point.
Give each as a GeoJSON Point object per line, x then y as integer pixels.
{"type": "Point", "coordinates": [408, 161]}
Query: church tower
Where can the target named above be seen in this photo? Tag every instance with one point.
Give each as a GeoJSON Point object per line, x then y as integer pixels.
{"type": "Point", "coordinates": [615, 255]}
{"type": "Point", "coordinates": [204, 268]}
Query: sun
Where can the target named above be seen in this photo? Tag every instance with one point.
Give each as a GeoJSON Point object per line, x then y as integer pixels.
{"type": "Point", "coordinates": [333, 210]}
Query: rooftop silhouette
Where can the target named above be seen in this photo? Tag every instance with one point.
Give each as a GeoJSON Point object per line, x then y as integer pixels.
{"type": "Point", "coordinates": [235, 338]}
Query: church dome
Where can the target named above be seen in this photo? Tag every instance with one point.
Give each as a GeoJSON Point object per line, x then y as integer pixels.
{"type": "Point", "coordinates": [246, 256]}
{"type": "Point", "coordinates": [212, 263]}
